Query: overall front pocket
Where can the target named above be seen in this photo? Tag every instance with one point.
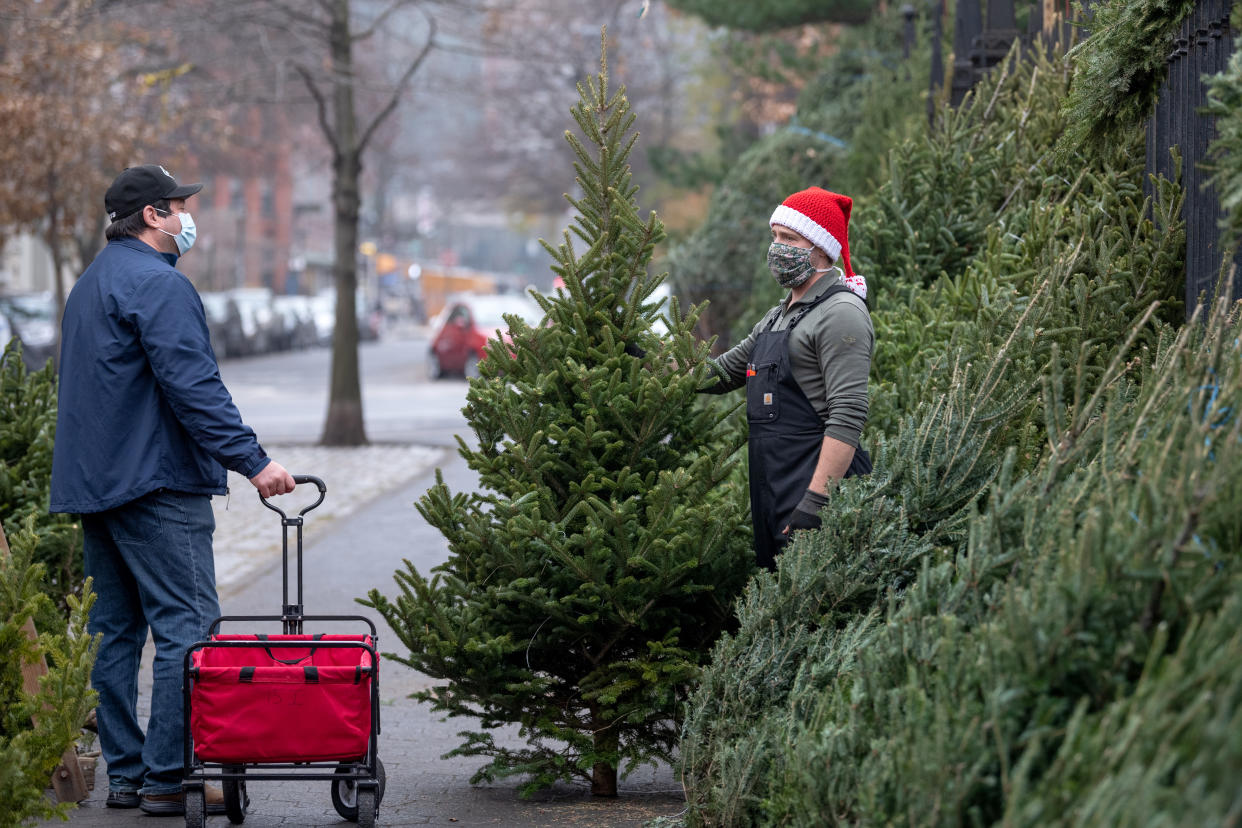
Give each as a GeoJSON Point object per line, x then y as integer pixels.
{"type": "Point", "coordinates": [762, 397]}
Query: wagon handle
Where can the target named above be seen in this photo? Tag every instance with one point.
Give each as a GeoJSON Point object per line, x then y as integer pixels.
{"type": "Point", "coordinates": [300, 478]}
{"type": "Point", "coordinates": [291, 613]}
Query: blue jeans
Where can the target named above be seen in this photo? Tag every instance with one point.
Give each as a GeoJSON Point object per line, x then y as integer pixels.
{"type": "Point", "coordinates": [152, 566]}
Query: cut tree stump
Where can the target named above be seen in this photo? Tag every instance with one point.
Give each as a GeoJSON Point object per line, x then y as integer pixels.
{"type": "Point", "coordinates": [68, 781]}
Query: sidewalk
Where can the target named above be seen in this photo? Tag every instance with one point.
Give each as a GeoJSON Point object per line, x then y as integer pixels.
{"type": "Point", "coordinates": [247, 538]}
{"type": "Point", "coordinates": [343, 561]}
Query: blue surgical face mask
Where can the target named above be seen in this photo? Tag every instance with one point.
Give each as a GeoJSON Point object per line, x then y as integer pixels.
{"type": "Point", "coordinates": [184, 239]}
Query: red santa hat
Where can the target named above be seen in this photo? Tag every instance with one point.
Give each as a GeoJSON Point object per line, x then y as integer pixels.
{"type": "Point", "coordinates": [823, 219]}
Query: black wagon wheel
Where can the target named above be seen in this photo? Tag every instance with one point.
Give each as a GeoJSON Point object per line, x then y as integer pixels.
{"type": "Point", "coordinates": [195, 808]}
{"type": "Point", "coordinates": [368, 807]}
{"type": "Point", "coordinates": [236, 800]}
{"type": "Point", "coordinates": [345, 791]}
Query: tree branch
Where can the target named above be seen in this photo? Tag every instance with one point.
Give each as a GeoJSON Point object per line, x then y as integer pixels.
{"type": "Point", "coordinates": [321, 104]}
{"type": "Point", "coordinates": [402, 84]}
{"type": "Point", "coordinates": [380, 19]}
{"type": "Point", "coordinates": [297, 12]}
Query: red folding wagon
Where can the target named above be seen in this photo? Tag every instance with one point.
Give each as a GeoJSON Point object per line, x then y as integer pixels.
{"type": "Point", "coordinates": [292, 706]}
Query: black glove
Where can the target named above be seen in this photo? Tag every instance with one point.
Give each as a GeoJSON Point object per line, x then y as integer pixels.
{"type": "Point", "coordinates": [806, 513]}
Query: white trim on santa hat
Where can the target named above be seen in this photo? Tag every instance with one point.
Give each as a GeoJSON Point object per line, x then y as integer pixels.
{"type": "Point", "coordinates": [787, 216]}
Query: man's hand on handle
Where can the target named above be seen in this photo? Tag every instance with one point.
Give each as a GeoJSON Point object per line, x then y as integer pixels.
{"type": "Point", "coordinates": [273, 480]}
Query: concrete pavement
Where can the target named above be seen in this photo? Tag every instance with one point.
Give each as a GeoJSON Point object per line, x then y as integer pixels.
{"type": "Point", "coordinates": [354, 555]}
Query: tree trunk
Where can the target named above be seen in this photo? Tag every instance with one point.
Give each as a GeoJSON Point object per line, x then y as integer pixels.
{"type": "Point", "coordinates": [344, 423]}
{"type": "Point", "coordinates": [603, 774]}
{"type": "Point", "coordinates": [90, 243]}
{"type": "Point", "coordinates": [52, 240]}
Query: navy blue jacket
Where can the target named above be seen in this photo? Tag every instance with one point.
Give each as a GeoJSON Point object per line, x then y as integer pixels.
{"type": "Point", "coordinates": [142, 406]}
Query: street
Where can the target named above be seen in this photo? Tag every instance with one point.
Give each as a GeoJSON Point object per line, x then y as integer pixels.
{"type": "Point", "coordinates": [410, 420]}
{"type": "Point", "coordinates": [284, 397]}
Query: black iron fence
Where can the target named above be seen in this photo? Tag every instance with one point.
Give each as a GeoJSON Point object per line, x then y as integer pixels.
{"type": "Point", "coordinates": [983, 37]}
{"type": "Point", "coordinates": [1203, 47]}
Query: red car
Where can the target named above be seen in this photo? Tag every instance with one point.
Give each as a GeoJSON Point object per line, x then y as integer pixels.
{"type": "Point", "coordinates": [458, 342]}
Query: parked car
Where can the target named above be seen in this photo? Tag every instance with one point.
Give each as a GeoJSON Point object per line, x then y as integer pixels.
{"type": "Point", "coordinates": [369, 317]}
{"type": "Point", "coordinates": [32, 318]}
{"type": "Point", "coordinates": [6, 332]}
{"type": "Point", "coordinates": [323, 314]}
{"type": "Point", "coordinates": [297, 322]}
{"type": "Point", "coordinates": [224, 325]}
{"type": "Point", "coordinates": [465, 326]}
{"type": "Point", "coordinates": [370, 320]}
{"type": "Point", "coordinates": [259, 323]}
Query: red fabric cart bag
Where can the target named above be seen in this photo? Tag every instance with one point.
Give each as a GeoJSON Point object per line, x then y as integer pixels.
{"type": "Point", "coordinates": [273, 702]}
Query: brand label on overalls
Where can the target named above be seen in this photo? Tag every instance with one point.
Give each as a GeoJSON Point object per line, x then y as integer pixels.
{"type": "Point", "coordinates": [767, 398]}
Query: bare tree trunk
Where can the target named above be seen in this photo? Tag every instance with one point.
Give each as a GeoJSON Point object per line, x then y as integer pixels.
{"type": "Point", "coordinates": [344, 423]}
{"type": "Point", "coordinates": [603, 774]}
{"type": "Point", "coordinates": [90, 243]}
{"type": "Point", "coordinates": [52, 240]}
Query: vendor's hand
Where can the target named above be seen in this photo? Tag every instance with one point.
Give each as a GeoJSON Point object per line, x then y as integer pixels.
{"type": "Point", "coordinates": [635, 350]}
{"type": "Point", "coordinates": [802, 520]}
{"type": "Point", "coordinates": [273, 480]}
{"type": "Point", "coordinates": [639, 352]}
{"type": "Point", "coordinates": [806, 513]}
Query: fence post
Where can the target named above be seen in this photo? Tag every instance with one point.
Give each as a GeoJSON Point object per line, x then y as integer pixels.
{"type": "Point", "coordinates": [1202, 47]}
{"type": "Point", "coordinates": [907, 32]}
{"type": "Point", "coordinates": [1221, 34]}
{"type": "Point", "coordinates": [999, 31]}
{"type": "Point", "coordinates": [1034, 28]}
{"type": "Point", "coordinates": [966, 27]}
{"type": "Point", "coordinates": [937, 59]}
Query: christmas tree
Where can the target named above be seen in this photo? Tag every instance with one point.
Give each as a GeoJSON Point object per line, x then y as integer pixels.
{"type": "Point", "coordinates": [1028, 614]}
{"type": "Point", "coordinates": [595, 566]}
{"type": "Point", "coordinates": [37, 727]}
{"type": "Point", "coordinates": [27, 430]}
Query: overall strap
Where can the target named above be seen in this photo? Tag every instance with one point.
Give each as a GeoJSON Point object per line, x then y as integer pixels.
{"type": "Point", "coordinates": [805, 309]}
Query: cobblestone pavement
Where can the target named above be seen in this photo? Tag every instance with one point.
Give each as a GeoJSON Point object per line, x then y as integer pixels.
{"type": "Point", "coordinates": [346, 555]}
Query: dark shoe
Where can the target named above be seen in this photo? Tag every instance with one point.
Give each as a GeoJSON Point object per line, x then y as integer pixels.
{"type": "Point", "coordinates": [123, 799]}
{"type": "Point", "coordinates": [173, 804]}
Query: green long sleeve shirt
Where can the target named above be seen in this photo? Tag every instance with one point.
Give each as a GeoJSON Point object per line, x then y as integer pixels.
{"type": "Point", "coordinates": [829, 354]}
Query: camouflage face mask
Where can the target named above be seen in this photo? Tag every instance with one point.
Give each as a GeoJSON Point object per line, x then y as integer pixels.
{"type": "Point", "coordinates": [791, 266]}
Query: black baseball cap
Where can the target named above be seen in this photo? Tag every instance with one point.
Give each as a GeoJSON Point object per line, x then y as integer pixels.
{"type": "Point", "coordinates": [137, 187]}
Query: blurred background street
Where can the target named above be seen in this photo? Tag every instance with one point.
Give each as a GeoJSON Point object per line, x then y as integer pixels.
{"type": "Point", "coordinates": [284, 396]}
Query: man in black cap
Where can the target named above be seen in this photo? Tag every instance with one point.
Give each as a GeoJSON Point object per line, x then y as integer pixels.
{"type": "Point", "coordinates": [145, 430]}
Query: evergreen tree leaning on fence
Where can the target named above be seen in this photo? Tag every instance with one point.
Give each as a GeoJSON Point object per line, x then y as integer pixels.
{"type": "Point", "coordinates": [27, 429]}
{"type": "Point", "coordinates": [1028, 614]}
{"type": "Point", "coordinates": [597, 564]}
{"type": "Point", "coordinates": [37, 728]}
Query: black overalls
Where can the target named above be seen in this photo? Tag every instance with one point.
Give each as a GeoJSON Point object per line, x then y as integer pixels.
{"type": "Point", "coordinates": [786, 435]}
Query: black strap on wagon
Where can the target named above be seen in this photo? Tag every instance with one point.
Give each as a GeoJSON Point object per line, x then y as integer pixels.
{"type": "Point", "coordinates": [289, 661]}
